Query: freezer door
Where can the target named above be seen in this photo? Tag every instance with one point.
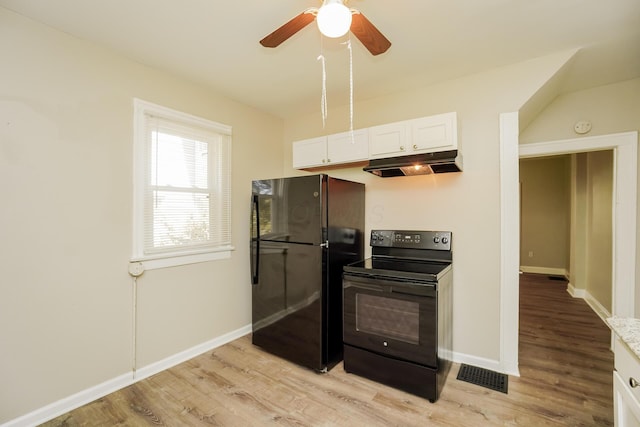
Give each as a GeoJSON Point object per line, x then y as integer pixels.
{"type": "Point", "coordinates": [287, 303]}
{"type": "Point", "coordinates": [289, 209]}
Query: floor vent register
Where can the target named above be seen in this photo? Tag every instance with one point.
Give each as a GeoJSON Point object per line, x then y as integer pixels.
{"type": "Point", "coordinates": [484, 377]}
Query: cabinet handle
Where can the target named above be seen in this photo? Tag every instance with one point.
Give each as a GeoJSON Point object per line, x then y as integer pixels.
{"type": "Point", "coordinates": [324, 161]}
{"type": "Point", "coordinates": [328, 160]}
{"type": "Point", "coordinates": [415, 146]}
{"type": "Point", "coordinates": [402, 148]}
{"type": "Point", "coordinates": [633, 383]}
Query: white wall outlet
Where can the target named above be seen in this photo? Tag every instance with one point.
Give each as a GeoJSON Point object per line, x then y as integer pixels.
{"type": "Point", "coordinates": [136, 269]}
{"type": "Point", "coordinates": [530, 254]}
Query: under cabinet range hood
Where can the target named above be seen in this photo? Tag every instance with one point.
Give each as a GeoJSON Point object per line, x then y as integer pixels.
{"type": "Point", "coordinates": [417, 164]}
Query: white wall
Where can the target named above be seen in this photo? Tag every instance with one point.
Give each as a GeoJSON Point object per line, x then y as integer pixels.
{"type": "Point", "coordinates": [66, 220]}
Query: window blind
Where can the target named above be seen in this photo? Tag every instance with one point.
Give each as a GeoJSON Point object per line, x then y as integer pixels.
{"type": "Point", "coordinates": [187, 187]}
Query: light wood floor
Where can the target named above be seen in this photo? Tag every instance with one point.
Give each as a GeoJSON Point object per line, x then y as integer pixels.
{"type": "Point", "coordinates": [565, 365]}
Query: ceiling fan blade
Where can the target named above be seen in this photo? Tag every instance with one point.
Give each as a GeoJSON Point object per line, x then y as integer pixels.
{"type": "Point", "coordinates": [368, 34]}
{"type": "Point", "coordinates": [287, 30]}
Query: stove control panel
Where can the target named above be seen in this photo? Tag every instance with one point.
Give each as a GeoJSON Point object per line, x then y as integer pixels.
{"type": "Point", "coordinates": [438, 240]}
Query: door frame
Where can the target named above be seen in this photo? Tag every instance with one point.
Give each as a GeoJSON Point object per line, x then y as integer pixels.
{"type": "Point", "coordinates": [624, 146]}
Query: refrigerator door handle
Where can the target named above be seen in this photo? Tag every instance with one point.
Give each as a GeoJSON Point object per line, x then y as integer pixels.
{"type": "Point", "coordinates": [255, 239]}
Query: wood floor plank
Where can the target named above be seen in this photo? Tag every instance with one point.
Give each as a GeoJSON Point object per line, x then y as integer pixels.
{"type": "Point", "coordinates": [566, 380]}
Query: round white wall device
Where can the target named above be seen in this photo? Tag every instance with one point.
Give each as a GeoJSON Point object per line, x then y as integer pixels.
{"type": "Point", "coordinates": [582, 127]}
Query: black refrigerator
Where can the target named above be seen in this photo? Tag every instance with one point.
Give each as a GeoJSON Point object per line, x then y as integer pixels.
{"type": "Point", "coordinates": [303, 231]}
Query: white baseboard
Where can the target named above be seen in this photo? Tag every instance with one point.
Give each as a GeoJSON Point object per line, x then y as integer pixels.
{"type": "Point", "coordinates": [599, 309]}
{"type": "Point", "coordinates": [575, 292]}
{"type": "Point", "coordinates": [190, 353]}
{"type": "Point", "coordinates": [83, 397]}
{"type": "Point", "coordinates": [69, 403]}
{"type": "Point", "coordinates": [595, 305]}
{"type": "Point", "coordinates": [544, 270]}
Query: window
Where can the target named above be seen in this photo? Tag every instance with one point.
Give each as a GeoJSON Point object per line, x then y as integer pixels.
{"type": "Point", "coordinates": [182, 210]}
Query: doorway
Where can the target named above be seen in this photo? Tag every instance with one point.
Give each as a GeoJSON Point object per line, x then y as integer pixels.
{"type": "Point", "coordinates": [624, 146]}
{"type": "Point", "coordinates": [566, 223]}
{"type": "Point", "coordinates": [545, 215]}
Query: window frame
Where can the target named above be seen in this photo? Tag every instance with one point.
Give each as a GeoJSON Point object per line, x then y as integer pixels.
{"type": "Point", "coordinates": [181, 256]}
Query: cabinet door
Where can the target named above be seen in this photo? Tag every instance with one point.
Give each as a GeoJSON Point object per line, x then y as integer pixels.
{"type": "Point", "coordinates": [342, 149]}
{"type": "Point", "coordinates": [310, 152]}
{"type": "Point", "coordinates": [626, 395]}
{"type": "Point", "coordinates": [388, 140]}
{"type": "Point", "coordinates": [626, 409]}
{"type": "Point", "coordinates": [434, 133]}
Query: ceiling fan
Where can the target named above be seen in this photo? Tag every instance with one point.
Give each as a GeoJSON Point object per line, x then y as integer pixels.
{"type": "Point", "coordinates": [334, 20]}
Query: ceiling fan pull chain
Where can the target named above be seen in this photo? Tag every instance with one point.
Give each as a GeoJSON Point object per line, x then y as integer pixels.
{"type": "Point", "coordinates": [350, 90]}
{"type": "Point", "coordinates": [323, 97]}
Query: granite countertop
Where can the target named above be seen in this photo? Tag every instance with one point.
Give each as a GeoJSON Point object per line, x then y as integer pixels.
{"type": "Point", "coordinates": [628, 329]}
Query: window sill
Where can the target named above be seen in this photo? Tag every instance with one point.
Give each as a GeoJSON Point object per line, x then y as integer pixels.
{"type": "Point", "coordinates": [163, 261]}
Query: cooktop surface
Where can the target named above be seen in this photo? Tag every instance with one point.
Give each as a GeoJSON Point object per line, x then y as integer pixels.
{"type": "Point", "coordinates": [400, 268]}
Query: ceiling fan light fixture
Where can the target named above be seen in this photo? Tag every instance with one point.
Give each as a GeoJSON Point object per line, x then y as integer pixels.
{"type": "Point", "coordinates": [334, 18]}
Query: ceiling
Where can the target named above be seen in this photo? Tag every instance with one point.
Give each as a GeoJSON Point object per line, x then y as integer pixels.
{"type": "Point", "coordinates": [215, 42]}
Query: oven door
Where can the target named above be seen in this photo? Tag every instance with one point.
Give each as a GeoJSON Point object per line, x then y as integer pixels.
{"type": "Point", "coordinates": [391, 317]}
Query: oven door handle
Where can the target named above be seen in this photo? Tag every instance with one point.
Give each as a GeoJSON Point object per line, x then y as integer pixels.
{"type": "Point", "coordinates": [421, 291]}
{"type": "Point", "coordinates": [361, 283]}
{"type": "Point", "coordinates": [368, 287]}
{"type": "Point", "coordinates": [389, 286]}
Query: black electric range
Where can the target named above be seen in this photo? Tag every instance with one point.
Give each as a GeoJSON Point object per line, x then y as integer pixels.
{"type": "Point", "coordinates": [397, 311]}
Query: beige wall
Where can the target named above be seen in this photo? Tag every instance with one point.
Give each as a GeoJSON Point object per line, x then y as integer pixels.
{"type": "Point", "coordinates": [579, 211]}
{"type": "Point", "coordinates": [599, 230]}
{"type": "Point", "coordinates": [466, 203]}
{"type": "Point", "coordinates": [610, 109]}
{"type": "Point", "coordinates": [592, 226]}
{"type": "Point", "coordinates": [66, 220]}
{"type": "Point", "coordinates": [545, 204]}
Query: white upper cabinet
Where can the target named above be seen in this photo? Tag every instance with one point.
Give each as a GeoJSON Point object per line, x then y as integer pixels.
{"type": "Point", "coordinates": [333, 149]}
{"type": "Point", "coordinates": [310, 153]}
{"type": "Point", "coordinates": [341, 148]}
{"type": "Point", "coordinates": [434, 133]}
{"type": "Point", "coordinates": [388, 140]}
{"type": "Point", "coordinates": [426, 134]}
